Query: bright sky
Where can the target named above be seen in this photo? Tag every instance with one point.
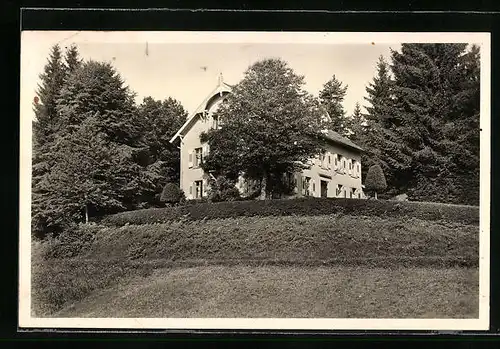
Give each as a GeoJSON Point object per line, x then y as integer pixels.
{"type": "Point", "coordinates": [189, 71]}
{"type": "Point", "coordinates": [186, 65]}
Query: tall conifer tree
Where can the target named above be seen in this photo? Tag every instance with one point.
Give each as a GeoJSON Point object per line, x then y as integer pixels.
{"type": "Point", "coordinates": [430, 104]}
{"type": "Point", "coordinates": [382, 144]}
{"type": "Point", "coordinates": [331, 97]}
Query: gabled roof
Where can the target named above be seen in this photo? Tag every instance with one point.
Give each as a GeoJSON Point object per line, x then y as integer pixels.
{"type": "Point", "coordinates": [337, 138]}
{"type": "Point", "coordinates": [221, 88]}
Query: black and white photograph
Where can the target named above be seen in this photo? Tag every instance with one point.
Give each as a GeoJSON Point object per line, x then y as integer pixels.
{"type": "Point", "coordinates": [254, 180]}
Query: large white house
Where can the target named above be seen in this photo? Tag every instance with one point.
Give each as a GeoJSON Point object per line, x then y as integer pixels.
{"type": "Point", "coordinates": [336, 173]}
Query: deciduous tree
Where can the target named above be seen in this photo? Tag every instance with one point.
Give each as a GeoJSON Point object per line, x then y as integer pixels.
{"type": "Point", "coordinates": [270, 125]}
{"type": "Point", "coordinates": [85, 178]}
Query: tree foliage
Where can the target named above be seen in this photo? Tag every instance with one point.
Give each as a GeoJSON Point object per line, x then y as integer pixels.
{"type": "Point", "coordinates": [96, 89]}
{"type": "Point", "coordinates": [72, 59]}
{"type": "Point", "coordinates": [375, 180]}
{"type": "Point", "coordinates": [435, 87]}
{"type": "Point", "coordinates": [172, 194]}
{"type": "Point", "coordinates": [332, 96]}
{"type": "Point", "coordinates": [124, 150]}
{"type": "Point", "coordinates": [51, 82]}
{"type": "Point", "coordinates": [423, 122]}
{"type": "Point", "coordinates": [269, 125]}
{"type": "Point", "coordinates": [86, 176]}
{"type": "Point", "coordinates": [223, 189]}
{"type": "Point", "coordinates": [382, 142]}
{"type": "Point", "coordinates": [162, 119]}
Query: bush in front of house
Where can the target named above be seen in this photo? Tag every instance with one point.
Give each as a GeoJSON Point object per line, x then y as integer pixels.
{"type": "Point", "coordinates": [223, 189]}
{"type": "Point", "coordinates": [299, 207]}
{"type": "Point", "coordinates": [375, 180]}
{"type": "Point", "coordinates": [172, 194]}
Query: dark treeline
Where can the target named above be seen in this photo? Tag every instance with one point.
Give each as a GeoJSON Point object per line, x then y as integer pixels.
{"type": "Point", "coordinates": [421, 123]}
{"type": "Point", "coordinates": [94, 150]}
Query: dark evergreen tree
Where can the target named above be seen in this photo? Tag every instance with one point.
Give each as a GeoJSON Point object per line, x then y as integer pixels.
{"type": "Point", "coordinates": [270, 125]}
{"type": "Point", "coordinates": [461, 131]}
{"type": "Point", "coordinates": [356, 125]}
{"type": "Point", "coordinates": [431, 104]}
{"type": "Point", "coordinates": [51, 82]}
{"type": "Point", "coordinates": [331, 97]}
{"type": "Point", "coordinates": [382, 144]}
{"type": "Point", "coordinates": [72, 59]}
{"type": "Point", "coordinates": [44, 125]}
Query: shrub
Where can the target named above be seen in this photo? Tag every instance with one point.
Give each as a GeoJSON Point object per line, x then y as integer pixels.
{"type": "Point", "coordinates": [375, 180]}
{"type": "Point", "coordinates": [299, 207]}
{"type": "Point", "coordinates": [172, 194]}
{"type": "Point", "coordinates": [223, 189]}
{"type": "Point", "coordinates": [70, 243]}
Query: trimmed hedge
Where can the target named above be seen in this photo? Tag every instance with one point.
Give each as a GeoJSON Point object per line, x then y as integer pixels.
{"type": "Point", "coordinates": [306, 240]}
{"type": "Point", "coordinates": [299, 207]}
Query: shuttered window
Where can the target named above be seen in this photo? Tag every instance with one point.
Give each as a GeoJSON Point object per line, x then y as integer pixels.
{"type": "Point", "coordinates": [190, 159]}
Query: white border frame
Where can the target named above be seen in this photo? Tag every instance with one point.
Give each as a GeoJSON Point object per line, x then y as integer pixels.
{"type": "Point", "coordinates": [482, 323]}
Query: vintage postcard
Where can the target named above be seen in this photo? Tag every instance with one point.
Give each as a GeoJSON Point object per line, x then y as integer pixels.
{"type": "Point", "coordinates": [254, 180]}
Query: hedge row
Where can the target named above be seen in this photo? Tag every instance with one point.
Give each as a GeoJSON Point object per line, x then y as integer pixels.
{"type": "Point", "coordinates": [298, 239]}
{"type": "Point", "coordinates": [299, 207]}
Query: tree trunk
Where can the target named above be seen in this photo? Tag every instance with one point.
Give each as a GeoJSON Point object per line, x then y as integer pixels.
{"type": "Point", "coordinates": [86, 213]}
{"type": "Point", "coordinates": [263, 187]}
{"type": "Point", "coordinates": [376, 196]}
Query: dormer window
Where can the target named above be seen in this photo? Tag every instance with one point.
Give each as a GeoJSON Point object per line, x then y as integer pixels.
{"type": "Point", "coordinates": [215, 119]}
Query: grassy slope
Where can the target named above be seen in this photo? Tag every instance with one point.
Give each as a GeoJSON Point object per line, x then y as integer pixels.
{"type": "Point", "coordinates": [300, 244]}
{"type": "Point", "coordinates": [270, 291]}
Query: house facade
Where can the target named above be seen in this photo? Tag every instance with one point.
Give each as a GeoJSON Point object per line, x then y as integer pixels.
{"type": "Point", "coordinates": [336, 173]}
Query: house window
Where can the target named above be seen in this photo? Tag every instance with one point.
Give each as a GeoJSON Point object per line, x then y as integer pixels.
{"type": "Point", "coordinates": [352, 193]}
{"type": "Point", "coordinates": [338, 190]}
{"type": "Point", "coordinates": [215, 121]}
{"type": "Point", "coordinates": [198, 185]}
{"type": "Point", "coordinates": [305, 186]}
{"type": "Point", "coordinates": [198, 157]}
{"type": "Point", "coordinates": [314, 187]}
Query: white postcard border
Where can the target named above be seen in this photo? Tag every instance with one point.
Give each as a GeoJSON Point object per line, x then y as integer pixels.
{"type": "Point", "coordinates": [482, 323]}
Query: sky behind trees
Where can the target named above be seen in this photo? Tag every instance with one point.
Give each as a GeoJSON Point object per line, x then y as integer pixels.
{"type": "Point", "coordinates": [189, 71]}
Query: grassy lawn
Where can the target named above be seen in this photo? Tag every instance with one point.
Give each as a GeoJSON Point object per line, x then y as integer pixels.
{"type": "Point", "coordinates": [277, 291]}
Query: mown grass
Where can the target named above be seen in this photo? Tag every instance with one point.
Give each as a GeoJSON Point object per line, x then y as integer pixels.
{"type": "Point", "coordinates": [94, 257]}
{"type": "Point", "coordinates": [277, 292]}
